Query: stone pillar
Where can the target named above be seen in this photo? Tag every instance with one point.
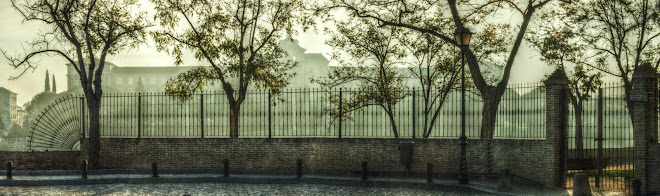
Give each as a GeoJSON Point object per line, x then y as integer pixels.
{"type": "Point", "coordinates": [557, 123]}
{"type": "Point", "coordinates": [645, 118]}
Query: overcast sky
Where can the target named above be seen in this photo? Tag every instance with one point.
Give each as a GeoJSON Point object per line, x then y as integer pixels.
{"type": "Point", "coordinates": [527, 68]}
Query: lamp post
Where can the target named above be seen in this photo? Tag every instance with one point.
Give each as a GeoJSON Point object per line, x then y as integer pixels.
{"type": "Point", "coordinates": [462, 36]}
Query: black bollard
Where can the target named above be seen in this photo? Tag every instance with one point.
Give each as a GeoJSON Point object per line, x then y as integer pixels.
{"type": "Point", "coordinates": [636, 187]}
{"type": "Point", "coordinates": [84, 169]}
{"type": "Point", "coordinates": [154, 169]}
{"type": "Point", "coordinates": [364, 170]}
{"type": "Point", "coordinates": [9, 168]}
{"type": "Point", "coordinates": [298, 168]}
{"type": "Point", "coordinates": [225, 169]}
{"type": "Point", "coordinates": [429, 172]}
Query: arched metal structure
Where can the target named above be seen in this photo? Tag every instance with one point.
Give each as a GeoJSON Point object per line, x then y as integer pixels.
{"type": "Point", "coordinates": [59, 126]}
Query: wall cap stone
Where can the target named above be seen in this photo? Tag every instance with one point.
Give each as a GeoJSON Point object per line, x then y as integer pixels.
{"type": "Point", "coordinates": [557, 77]}
{"type": "Point", "coordinates": [645, 71]}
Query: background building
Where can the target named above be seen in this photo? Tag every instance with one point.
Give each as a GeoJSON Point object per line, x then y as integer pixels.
{"type": "Point", "coordinates": [8, 110]}
{"type": "Point", "coordinates": [125, 79]}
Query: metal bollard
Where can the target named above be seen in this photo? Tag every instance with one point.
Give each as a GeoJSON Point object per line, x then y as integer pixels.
{"type": "Point", "coordinates": [84, 169]}
{"type": "Point", "coordinates": [9, 168]}
{"type": "Point", "coordinates": [429, 172]}
{"type": "Point", "coordinates": [154, 169]}
{"type": "Point", "coordinates": [364, 170]}
{"type": "Point", "coordinates": [636, 187]}
{"type": "Point", "coordinates": [225, 170]}
{"type": "Point", "coordinates": [298, 168]}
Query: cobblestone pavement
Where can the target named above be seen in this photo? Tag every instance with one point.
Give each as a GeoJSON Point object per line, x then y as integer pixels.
{"type": "Point", "coordinates": [214, 189]}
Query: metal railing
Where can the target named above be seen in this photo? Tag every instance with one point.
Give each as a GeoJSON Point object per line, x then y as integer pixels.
{"type": "Point", "coordinates": [606, 148]}
{"type": "Point", "coordinates": [305, 113]}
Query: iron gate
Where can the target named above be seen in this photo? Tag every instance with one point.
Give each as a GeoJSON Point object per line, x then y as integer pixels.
{"type": "Point", "coordinates": [600, 143]}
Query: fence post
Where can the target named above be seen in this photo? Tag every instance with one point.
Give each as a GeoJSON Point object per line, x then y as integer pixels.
{"type": "Point", "coordinates": [364, 170]}
{"type": "Point", "coordinates": [599, 154]}
{"type": "Point", "coordinates": [82, 115]}
{"type": "Point", "coordinates": [139, 114]}
{"type": "Point", "coordinates": [340, 111]}
{"type": "Point", "coordinates": [429, 172]}
{"type": "Point", "coordinates": [84, 169]}
{"type": "Point", "coordinates": [225, 167]}
{"type": "Point", "coordinates": [414, 119]}
{"type": "Point", "coordinates": [10, 166]}
{"type": "Point", "coordinates": [269, 116]}
{"type": "Point", "coordinates": [154, 170]}
{"type": "Point", "coordinates": [201, 113]}
{"type": "Point", "coordinates": [299, 168]}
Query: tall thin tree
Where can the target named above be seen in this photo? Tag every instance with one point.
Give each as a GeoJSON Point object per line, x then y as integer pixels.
{"type": "Point", "coordinates": [47, 82]}
{"type": "Point", "coordinates": [54, 85]}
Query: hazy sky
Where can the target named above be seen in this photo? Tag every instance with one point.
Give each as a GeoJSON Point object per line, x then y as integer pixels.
{"type": "Point", "coordinates": [14, 33]}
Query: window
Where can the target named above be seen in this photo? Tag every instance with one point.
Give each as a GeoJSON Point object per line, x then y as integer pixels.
{"type": "Point", "coordinates": [130, 80]}
{"type": "Point", "coordinates": [153, 80]}
{"type": "Point", "coordinates": [118, 81]}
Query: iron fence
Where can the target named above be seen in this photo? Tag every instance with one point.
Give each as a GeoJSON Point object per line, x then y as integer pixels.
{"type": "Point", "coordinates": [306, 113]}
{"type": "Point", "coordinates": [605, 150]}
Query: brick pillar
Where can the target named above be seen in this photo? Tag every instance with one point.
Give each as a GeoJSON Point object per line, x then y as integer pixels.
{"type": "Point", "coordinates": [557, 123]}
{"type": "Point", "coordinates": [645, 119]}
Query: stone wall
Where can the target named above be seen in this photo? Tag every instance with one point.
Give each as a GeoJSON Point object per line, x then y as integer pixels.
{"type": "Point", "coordinates": [525, 158]}
{"type": "Point", "coordinates": [51, 160]}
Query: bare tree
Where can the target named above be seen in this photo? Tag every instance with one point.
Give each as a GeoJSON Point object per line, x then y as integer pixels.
{"type": "Point", "coordinates": [441, 18]}
{"type": "Point", "coordinates": [622, 34]}
{"type": "Point", "coordinates": [238, 38]}
{"type": "Point", "coordinates": [560, 46]}
{"type": "Point", "coordinates": [435, 65]}
{"type": "Point", "coordinates": [368, 57]}
{"type": "Point", "coordinates": [81, 31]}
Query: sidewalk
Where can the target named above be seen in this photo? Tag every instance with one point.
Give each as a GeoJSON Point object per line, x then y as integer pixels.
{"type": "Point", "coordinates": [478, 185]}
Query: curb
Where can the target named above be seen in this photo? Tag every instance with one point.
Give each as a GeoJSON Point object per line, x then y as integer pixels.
{"type": "Point", "coordinates": [256, 180]}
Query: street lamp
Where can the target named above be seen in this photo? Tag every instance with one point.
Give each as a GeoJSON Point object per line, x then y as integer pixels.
{"type": "Point", "coordinates": [462, 36]}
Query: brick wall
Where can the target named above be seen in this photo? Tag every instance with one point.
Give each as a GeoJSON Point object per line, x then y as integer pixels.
{"type": "Point", "coordinates": [525, 158]}
{"type": "Point", "coordinates": [654, 168]}
{"type": "Point", "coordinates": [52, 160]}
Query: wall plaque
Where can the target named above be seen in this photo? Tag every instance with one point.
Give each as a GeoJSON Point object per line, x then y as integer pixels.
{"type": "Point", "coordinates": [639, 96]}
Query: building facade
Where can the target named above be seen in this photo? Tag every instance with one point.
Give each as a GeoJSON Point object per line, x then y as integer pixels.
{"type": "Point", "coordinates": [153, 78]}
{"type": "Point", "coordinates": [8, 109]}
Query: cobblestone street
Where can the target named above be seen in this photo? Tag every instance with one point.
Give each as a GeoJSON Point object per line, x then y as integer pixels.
{"type": "Point", "coordinates": [214, 189]}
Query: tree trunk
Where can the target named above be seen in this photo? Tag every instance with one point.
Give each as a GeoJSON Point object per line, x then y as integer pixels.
{"type": "Point", "coordinates": [627, 92]}
{"type": "Point", "coordinates": [579, 146]}
{"type": "Point", "coordinates": [427, 131]}
{"type": "Point", "coordinates": [234, 112]}
{"type": "Point", "coordinates": [489, 113]}
{"type": "Point", "coordinates": [393, 123]}
{"type": "Point", "coordinates": [94, 132]}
